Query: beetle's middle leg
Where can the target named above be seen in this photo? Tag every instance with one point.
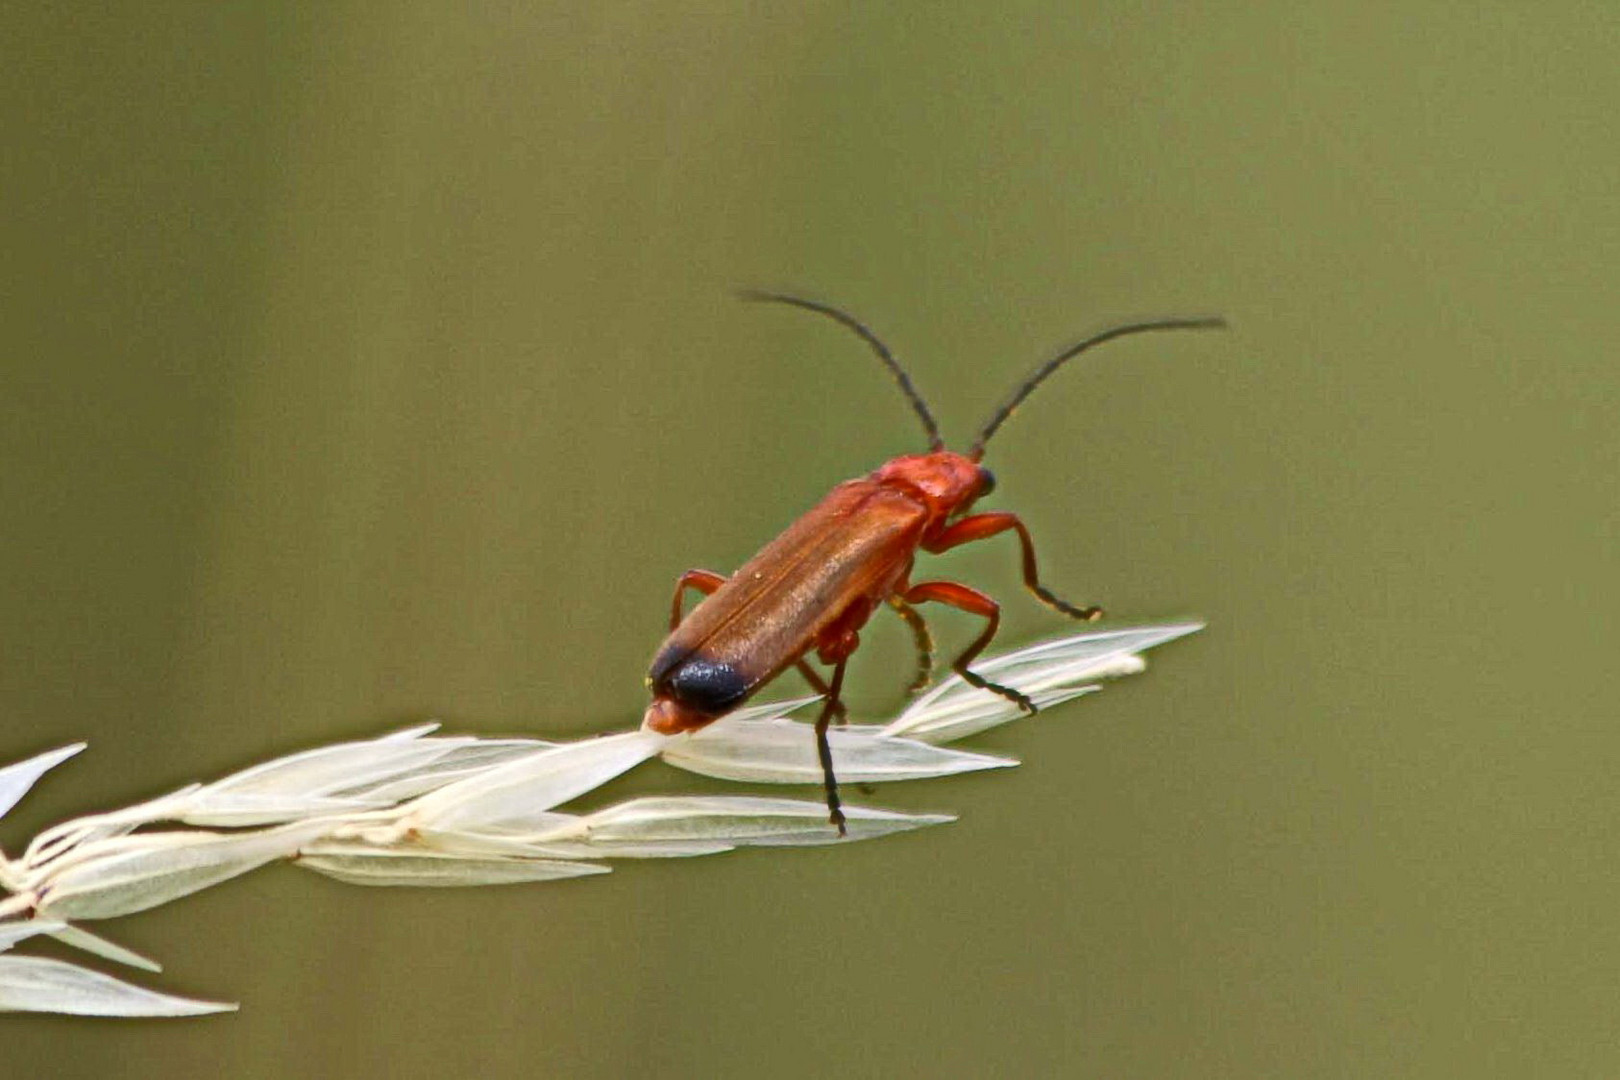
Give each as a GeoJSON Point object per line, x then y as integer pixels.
{"type": "Point", "coordinates": [975, 603]}
{"type": "Point", "coordinates": [923, 640]}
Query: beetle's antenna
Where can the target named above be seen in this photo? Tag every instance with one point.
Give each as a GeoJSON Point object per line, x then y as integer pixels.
{"type": "Point", "coordinates": [935, 442]}
{"type": "Point", "coordinates": [1038, 376]}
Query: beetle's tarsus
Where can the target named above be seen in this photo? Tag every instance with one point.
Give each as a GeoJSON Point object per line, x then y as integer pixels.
{"type": "Point", "coordinates": [1056, 603]}
{"type": "Point", "coordinates": [1017, 697]}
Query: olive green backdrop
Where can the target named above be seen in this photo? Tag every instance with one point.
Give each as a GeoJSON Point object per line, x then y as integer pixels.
{"type": "Point", "coordinates": [365, 363]}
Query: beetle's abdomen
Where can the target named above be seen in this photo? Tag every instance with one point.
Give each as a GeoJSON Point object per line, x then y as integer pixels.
{"type": "Point", "coordinates": [709, 686]}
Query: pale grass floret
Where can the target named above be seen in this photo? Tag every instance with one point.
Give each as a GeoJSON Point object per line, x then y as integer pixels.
{"type": "Point", "coordinates": [414, 808]}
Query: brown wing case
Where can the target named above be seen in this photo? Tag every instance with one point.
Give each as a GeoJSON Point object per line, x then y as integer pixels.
{"type": "Point", "coordinates": [852, 546]}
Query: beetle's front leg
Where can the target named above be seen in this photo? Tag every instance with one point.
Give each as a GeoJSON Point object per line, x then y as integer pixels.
{"type": "Point", "coordinates": [982, 527]}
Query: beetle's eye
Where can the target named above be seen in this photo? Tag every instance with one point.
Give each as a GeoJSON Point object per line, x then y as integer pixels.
{"type": "Point", "coordinates": [987, 482]}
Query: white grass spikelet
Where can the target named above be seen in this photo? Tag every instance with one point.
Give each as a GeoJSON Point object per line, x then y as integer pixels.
{"type": "Point", "coordinates": [127, 874]}
{"type": "Point", "coordinates": [508, 796]}
{"type": "Point", "coordinates": [15, 930]}
{"type": "Point", "coordinates": [546, 836]}
{"type": "Point", "coordinates": [304, 784]}
{"type": "Point", "coordinates": [16, 779]}
{"type": "Point", "coordinates": [79, 938]}
{"type": "Point", "coordinates": [59, 839]}
{"type": "Point", "coordinates": [364, 864]}
{"type": "Point", "coordinates": [776, 750]}
{"type": "Point", "coordinates": [1049, 672]}
{"type": "Point", "coordinates": [463, 757]}
{"type": "Point", "coordinates": [35, 984]}
{"type": "Point", "coordinates": [739, 820]}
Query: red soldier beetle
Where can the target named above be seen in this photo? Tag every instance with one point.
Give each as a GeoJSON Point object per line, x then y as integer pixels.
{"type": "Point", "coordinates": [814, 586]}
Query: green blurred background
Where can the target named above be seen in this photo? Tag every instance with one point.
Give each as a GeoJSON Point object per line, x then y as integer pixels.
{"type": "Point", "coordinates": [365, 363]}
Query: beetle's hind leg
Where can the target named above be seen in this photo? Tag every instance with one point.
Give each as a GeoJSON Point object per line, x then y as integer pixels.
{"type": "Point", "coordinates": [923, 640]}
{"type": "Point", "coordinates": [975, 603]}
{"type": "Point", "coordinates": [704, 581]}
{"type": "Point", "coordinates": [819, 685]}
{"type": "Point", "coordinates": [832, 704]}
